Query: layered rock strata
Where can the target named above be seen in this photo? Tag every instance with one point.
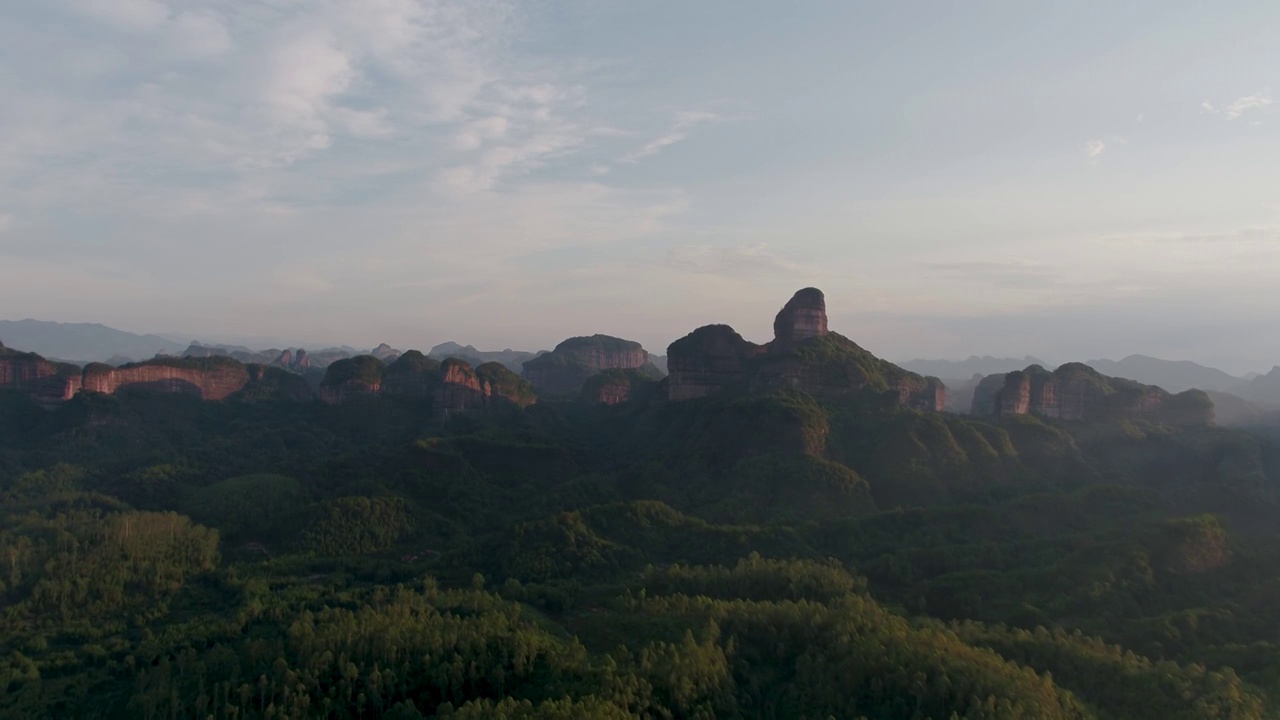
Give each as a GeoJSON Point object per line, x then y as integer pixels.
{"type": "Point", "coordinates": [564, 370]}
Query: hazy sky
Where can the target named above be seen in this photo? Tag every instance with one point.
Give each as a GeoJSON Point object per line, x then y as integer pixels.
{"type": "Point", "coordinates": [1070, 180]}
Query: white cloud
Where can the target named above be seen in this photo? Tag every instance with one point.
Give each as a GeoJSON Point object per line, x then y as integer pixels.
{"type": "Point", "coordinates": [684, 123]}
{"type": "Point", "coordinates": [6, 222]}
{"type": "Point", "coordinates": [1240, 106]}
{"type": "Point", "coordinates": [1141, 117]}
{"type": "Point", "coordinates": [1095, 148]}
{"type": "Point", "coordinates": [1243, 105]}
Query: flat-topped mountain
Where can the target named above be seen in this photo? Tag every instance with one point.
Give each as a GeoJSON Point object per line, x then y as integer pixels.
{"type": "Point", "coordinates": [804, 355]}
{"type": "Point", "coordinates": [564, 370]}
{"type": "Point", "coordinates": [1076, 391]}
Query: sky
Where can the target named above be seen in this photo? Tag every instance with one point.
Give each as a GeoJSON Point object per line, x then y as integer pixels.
{"type": "Point", "coordinates": [1066, 180]}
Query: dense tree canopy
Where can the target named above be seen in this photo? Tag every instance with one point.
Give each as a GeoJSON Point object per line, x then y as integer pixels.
{"type": "Point", "coordinates": [775, 557]}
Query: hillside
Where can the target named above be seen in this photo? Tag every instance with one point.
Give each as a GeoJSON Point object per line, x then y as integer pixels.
{"type": "Point", "coordinates": [803, 541]}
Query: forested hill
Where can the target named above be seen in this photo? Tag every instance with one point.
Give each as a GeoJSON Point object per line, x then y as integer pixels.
{"type": "Point", "coordinates": [739, 555]}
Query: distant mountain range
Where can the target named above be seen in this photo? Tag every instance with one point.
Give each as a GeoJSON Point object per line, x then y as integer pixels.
{"type": "Point", "coordinates": [83, 342]}
{"type": "Point", "coordinates": [90, 342]}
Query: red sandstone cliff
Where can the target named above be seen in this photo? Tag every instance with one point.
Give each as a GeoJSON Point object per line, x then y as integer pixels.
{"type": "Point", "coordinates": [206, 378]}
{"type": "Point", "coordinates": [564, 370]}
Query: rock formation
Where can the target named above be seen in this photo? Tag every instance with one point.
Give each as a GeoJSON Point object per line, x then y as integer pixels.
{"type": "Point", "coordinates": [460, 388]}
{"type": "Point", "coordinates": [504, 387]}
{"type": "Point", "coordinates": [452, 386]}
{"type": "Point", "coordinates": [491, 386]}
{"type": "Point", "coordinates": [804, 355]}
{"type": "Point", "coordinates": [411, 375]}
{"type": "Point", "coordinates": [47, 383]}
{"type": "Point", "coordinates": [564, 370]}
{"type": "Point", "coordinates": [213, 378]}
{"type": "Point", "coordinates": [804, 316]}
{"type": "Point", "coordinates": [1077, 392]}
{"type": "Point", "coordinates": [707, 361]}
{"type": "Point", "coordinates": [350, 378]}
{"type": "Point", "coordinates": [614, 387]}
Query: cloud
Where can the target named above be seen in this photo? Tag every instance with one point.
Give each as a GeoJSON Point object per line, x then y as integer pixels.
{"type": "Point", "coordinates": [736, 261]}
{"type": "Point", "coordinates": [1095, 148]}
{"type": "Point", "coordinates": [1243, 105]}
{"type": "Point", "coordinates": [6, 222]}
{"type": "Point", "coordinates": [1240, 106]}
{"type": "Point", "coordinates": [683, 124]}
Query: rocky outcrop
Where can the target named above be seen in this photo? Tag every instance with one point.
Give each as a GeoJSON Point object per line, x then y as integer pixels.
{"type": "Point", "coordinates": [503, 387]}
{"type": "Point", "coordinates": [1077, 392]}
{"type": "Point", "coordinates": [208, 378]}
{"type": "Point", "coordinates": [460, 388]}
{"type": "Point", "coordinates": [451, 387]}
{"type": "Point", "coordinates": [47, 383]}
{"type": "Point", "coordinates": [564, 370]}
{"type": "Point", "coordinates": [803, 317]}
{"type": "Point", "coordinates": [350, 378]}
{"type": "Point", "coordinates": [211, 378]}
{"type": "Point", "coordinates": [614, 387]}
{"type": "Point", "coordinates": [707, 361]}
{"type": "Point", "coordinates": [804, 355]}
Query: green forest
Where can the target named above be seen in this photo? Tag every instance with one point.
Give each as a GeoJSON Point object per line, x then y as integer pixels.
{"type": "Point", "coordinates": [766, 556]}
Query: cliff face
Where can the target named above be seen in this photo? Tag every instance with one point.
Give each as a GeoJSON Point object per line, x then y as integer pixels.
{"type": "Point", "coordinates": [460, 388]}
{"type": "Point", "coordinates": [213, 378]}
{"type": "Point", "coordinates": [804, 316]}
{"type": "Point", "coordinates": [1077, 392]}
{"type": "Point", "coordinates": [804, 355]}
{"type": "Point", "coordinates": [47, 383]}
{"type": "Point", "coordinates": [564, 370]}
{"type": "Point", "coordinates": [707, 361]}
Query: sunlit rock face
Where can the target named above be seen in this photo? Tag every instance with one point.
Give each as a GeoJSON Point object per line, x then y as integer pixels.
{"type": "Point", "coordinates": [207, 381]}
{"type": "Point", "coordinates": [47, 383]}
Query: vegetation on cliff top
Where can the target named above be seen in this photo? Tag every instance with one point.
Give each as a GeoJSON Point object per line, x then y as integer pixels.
{"type": "Point", "coordinates": [364, 369]}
